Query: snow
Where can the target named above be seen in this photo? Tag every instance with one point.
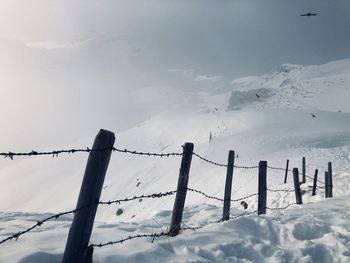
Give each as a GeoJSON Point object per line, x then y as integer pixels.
{"type": "Point", "coordinates": [274, 126]}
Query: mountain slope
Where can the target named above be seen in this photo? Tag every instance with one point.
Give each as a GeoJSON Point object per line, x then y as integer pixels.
{"type": "Point", "coordinates": [292, 112]}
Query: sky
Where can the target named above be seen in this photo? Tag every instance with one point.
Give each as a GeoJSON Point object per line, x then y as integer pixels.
{"type": "Point", "coordinates": [71, 67]}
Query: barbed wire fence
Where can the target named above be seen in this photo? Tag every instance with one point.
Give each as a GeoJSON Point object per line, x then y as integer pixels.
{"type": "Point", "coordinates": [55, 153]}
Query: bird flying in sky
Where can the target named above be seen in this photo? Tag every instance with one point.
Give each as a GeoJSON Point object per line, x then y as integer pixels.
{"type": "Point", "coordinates": [309, 14]}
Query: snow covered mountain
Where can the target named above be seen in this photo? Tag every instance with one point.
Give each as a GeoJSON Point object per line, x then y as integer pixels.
{"type": "Point", "coordinates": [289, 113]}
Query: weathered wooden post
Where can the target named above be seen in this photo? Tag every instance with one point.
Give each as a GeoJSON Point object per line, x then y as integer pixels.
{"type": "Point", "coordinates": [314, 186]}
{"type": "Point", "coordinates": [77, 250]}
{"type": "Point", "coordinates": [330, 174]}
{"type": "Point", "coordinates": [181, 190]}
{"type": "Point", "coordinates": [328, 186]}
{"type": "Point", "coordinates": [262, 196]}
{"type": "Point", "coordinates": [286, 174]}
{"type": "Point", "coordinates": [297, 186]}
{"type": "Point", "coordinates": [304, 171]}
{"type": "Point", "coordinates": [228, 186]}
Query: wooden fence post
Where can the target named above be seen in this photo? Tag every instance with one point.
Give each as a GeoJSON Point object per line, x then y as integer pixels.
{"type": "Point", "coordinates": [77, 250]}
{"type": "Point", "coordinates": [285, 176]}
{"type": "Point", "coordinates": [304, 171]}
{"type": "Point", "coordinates": [328, 186]}
{"type": "Point", "coordinates": [297, 186]}
{"type": "Point", "coordinates": [262, 197]}
{"type": "Point", "coordinates": [181, 190]}
{"type": "Point", "coordinates": [330, 174]}
{"type": "Point", "coordinates": [315, 183]}
{"type": "Point", "coordinates": [228, 186]}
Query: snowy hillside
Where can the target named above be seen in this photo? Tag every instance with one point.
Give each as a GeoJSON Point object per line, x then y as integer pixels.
{"type": "Point", "coordinates": [289, 113]}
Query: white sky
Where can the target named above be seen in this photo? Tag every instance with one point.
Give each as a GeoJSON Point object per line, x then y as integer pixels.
{"type": "Point", "coordinates": [67, 67]}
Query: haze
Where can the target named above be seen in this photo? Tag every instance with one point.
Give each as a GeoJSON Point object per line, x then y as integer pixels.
{"type": "Point", "coordinates": [69, 68]}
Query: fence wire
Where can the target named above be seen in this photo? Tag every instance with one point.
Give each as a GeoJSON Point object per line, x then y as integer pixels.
{"type": "Point", "coordinates": [280, 208]}
{"type": "Point", "coordinates": [121, 241]}
{"type": "Point", "coordinates": [127, 199]}
{"type": "Point", "coordinates": [290, 170]}
{"type": "Point", "coordinates": [56, 216]}
{"type": "Point", "coordinates": [56, 153]}
{"type": "Point", "coordinates": [220, 199]}
{"type": "Point", "coordinates": [280, 190]}
{"type": "Point", "coordinates": [223, 165]}
{"type": "Point", "coordinates": [38, 224]}
{"type": "Point", "coordinates": [156, 235]}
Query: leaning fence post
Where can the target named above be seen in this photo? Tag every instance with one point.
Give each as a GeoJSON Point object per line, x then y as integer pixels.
{"type": "Point", "coordinates": [285, 176]}
{"type": "Point", "coordinates": [181, 190]}
{"type": "Point", "coordinates": [315, 183]}
{"type": "Point", "coordinates": [262, 197]}
{"type": "Point", "coordinates": [304, 171]}
{"type": "Point", "coordinates": [77, 250]}
{"type": "Point", "coordinates": [228, 186]}
{"type": "Point", "coordinates": [330, 174]}
{"type": "Point", "coordinates": [297, 186]}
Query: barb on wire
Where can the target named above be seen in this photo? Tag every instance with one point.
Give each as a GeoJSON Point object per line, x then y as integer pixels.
{"type": "Point", "coordinates": [290, 170]}
{"type": "Point", "coordinates": [276, 168]}
{"type": "Point", "coordinates": [280, 208]}
{"type": "Point", "coordinates": [153, 236]}
{"type": "Point", "coordinates": [40, 223]}
{"type": "Point", "coordinates": [243, 214]}
{"type": "Point", "coordinates": [56, 216]}
{"type": "Point", "coordinates": [208, 161]}
{"type": "Point", "coordinates": [245, 197]}
{"type": "Point", "coordinates": [128, 199]}
{"type": "Point", "coordinates": [147, 153]}
{"type": "Point", "coordinates": [223, 165]}
{"type": "Point", "coordinates": [56, 153]}
{"type": "Point", "coordinates": [205, 195]}
{"type": "Point", "coordinates": [217, 198]}
{"type": "Point", "coordinates": [201, 226]}
{"type": "Point", "coordinates": [53, 153]}
{"type": "Point", "coordinates": [285, 207]}
{"type": "Point", "coordinates": [218, 221]}
{"type": "Point", "coordinates": [246, 167]}
{"type": "Point", "coordinates": [308, 176]}
{"type": "Point", "coordinates": [280, 190]}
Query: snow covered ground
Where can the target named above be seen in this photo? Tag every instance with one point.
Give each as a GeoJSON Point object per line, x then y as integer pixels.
{"type": "Point", "coordinates": [289, 113]}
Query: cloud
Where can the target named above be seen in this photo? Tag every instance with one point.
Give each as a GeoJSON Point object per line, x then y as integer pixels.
{"type": "Point", "coordinates": [190, 74]}
{"type": "Point", "coordinates": [103, 50]}
{"type": "Point", "coordinates": [51, 44]}
{"type": "Point", "coordinates": [208, 78]}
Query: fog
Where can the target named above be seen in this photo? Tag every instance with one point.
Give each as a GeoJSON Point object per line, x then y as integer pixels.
{"type": "Point", "coordinates": [70, 67]}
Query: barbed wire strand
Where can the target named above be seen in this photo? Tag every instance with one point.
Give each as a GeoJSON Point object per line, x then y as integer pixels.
{"type": "Point", "coordinates": [38, 224]}
{"type": "Point", "coordinates": [56, 153]}
{"type": "Point", "coordinates": [290, 170]}
{"type": "Point", "coordinates": [223, 165]}
{"type": "Point", "coordinates": [127, 199]}
{"type": "Point", "coordinates": [56, 216]}
{"type": "Point", "coordinates": [220, 199]}
{"type": "Point", "coordinates": [155, 235]}
{"type": "Point", "coordinates": [280, 208]}
{"type": "Point", "coordinates": [147, 153]}
{"type": "Point", "coordinates": [280, 190]}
